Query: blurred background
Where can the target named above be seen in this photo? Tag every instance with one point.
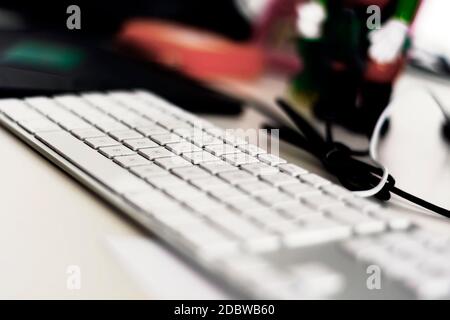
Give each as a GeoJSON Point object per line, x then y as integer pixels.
{"type": "Point", "coordinates": [210, 41]}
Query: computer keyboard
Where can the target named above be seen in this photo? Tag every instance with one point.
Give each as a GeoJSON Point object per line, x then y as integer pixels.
{"type": "Point", "coordinates": [263, 227]}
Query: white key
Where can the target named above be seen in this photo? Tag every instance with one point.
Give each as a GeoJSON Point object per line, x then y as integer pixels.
{"type": "Point", "coordinates": [116, 151]}
{"type": "Point", "coordinates": [164, 139]}
{"type": "Point", "coordinates": [236, 177]}
{"type": "Point", "coordinates": [300, 189]}
{"type": "Point", "coordinates": [175, 124]}
{"type": "Point", "coordinates": [295, 210]}
{"type": "Point", "coordinates": [255, 187]}
{"type": "Point", "coordinates": [150, 170]}
{"type": "Point", "coordinates": [321, 201]}
{"type": "Point", "coordinates": [87, 133]}
{"type": "Point", "coordinates": [154, 202]}
{"type": "Point", "coordinates": [271, 159]}
{"type": "Point", "coordinates": [315, 180]}
{"type": "Point", "coordinates": [315, 280]}
{"type": "Point", "coordinates": [131, 161]}
{"type": "Point", "coordinates": [98, 142]}
{"type": "Point", "coordinates": [274, 198]}
{"type": "Point", "coordinates": [217, 167]}
{"type": "Point", "coordinates": [205, 139]}
{"type": "Point", "coordinates": [254, 238]}
{"type": "Point", "coordinates": [315, 230]}
{"type": "Point", "coordinates": [225, 193]}
{"type": "Point", "coordinates": [362, 204]}
{"type": "Point", "coordinates": [137, 144]}
{"type": "Point", "coordinates": [123, 135]}
{"type": "Point", "coordinates": [292, 169]}
{"type": "Point", "coordinates": [238, 159]}
{"type": "Point", "coordinates": [96, 165]}
{"type": "Point", "coordinates": [337, 191]}
{"type": "Point", "coordinates": [210, 183]}
{"type": "Point", "coordinates": [199, 157]}
{"type": "Point", "coordinates": [361, 223]}
{"type": "Point", "coordinates": [155, 153]}
{"type": "Point", "coordinates": [395, 221]}
{"type": "Point", "coordinates": [279, 179]}
{"type": "Point", "coordinates": [251, 149]}
{"type": "Point", "coordinates": [111, 126]}
{"type": "Point", "coordinates": [172, 162]}
{"type": "Point", "coordinates": [259, 168]}
{"type": "Point", "coordinates": [151, 130]}
{"type": "Point", "coordinates": [165, 181]}
{"type": "Point", "coordinates": [17, 110]}
{"type": "Point", "coordinates": [234, 140]}
{"type": "Point", "coordinates": [39, 125]}
{"type": "Point", "coordinates": [201, 204]}
{"type": "Point", "coordinates": [191, 172]}
{"type": "Point", "coordinates": [221, 149]}
{"type": "Point", "coordinates": [244, 204]}
{"type": "Point", "coordinates": [182, 147]}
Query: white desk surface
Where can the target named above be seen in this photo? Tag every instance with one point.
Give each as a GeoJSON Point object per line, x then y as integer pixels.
{"type": "Point", "coordinates": [48, 222]}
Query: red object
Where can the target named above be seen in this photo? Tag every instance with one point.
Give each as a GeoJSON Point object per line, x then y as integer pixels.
{"type": "Point", "coordinates": [198, 53]}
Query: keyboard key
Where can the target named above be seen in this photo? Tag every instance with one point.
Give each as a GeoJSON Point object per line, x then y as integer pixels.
{"type": "Point", "coordinates": [316, 229]}
{"type": "Point", "coordinates": [164, 139]}
{"type": "Point", "coordinates": [137, 144]}
{"type": "Point", "coordinates": [225, 192]}
{"type": "Point", "coordinates": [149, 170]}
{"type": "Point", "coordinates": [244, 204]}
{"type": "Point", "coordinates": [124, 135]}
{"type": "Point", "coordinates": [315, 180]}
{"type": "Point", "coordinates": [337, 191]}
{"type": "Point", "coordinates": [131, 161]}
{"type": "Point", "coordinates": [251, 149]}
{"type": "Point", "coordinates": [99, 142]}
{"type": "Point", "coordinates": [87, 133]}
{"type": "Point", "coordinates": [259, 168]}
{"type": "Point", "coordinates": [217, 166]}
{"type": "Point", "coordinates": [221, 149]}
{"type": "Point", "coordinates": [279, 179]}
{"type": "Point", "coordinates": [321, 201]}
{"type": "Point", "coordinates": [270, 159]}
{"type": "Point", "coordinates": [199, 157]}
{"type": "Point", "coordinates": [39, 125]}
{"type": "Point", "coordinates": [190, 173]}
{"type": "Point", "coordinates": [172, 162]}
{"type": "Point", "coordinates": [362, 204]}
{"type": "Point", "coordinates": [299, 189]}
{"type": "Point", "coordinates": [255, 187]}
{"type": "Point", "coordinates": [292, 169]}
{"type": "Point", "coordinates": [155, 153]}
{"type": "Point", "coordinates": [210, 183]}
{"type": "Point", "coordinates": [165, 181]}
{"type": "Point", "coordinates": [104, 170]}
{"type": "Point", "coordinates": [182, 147]}
{"type": "Point", "coordinates": [361, 223]}
{"type": "Point", "coordinates": [274, 198]}
{"type": "Point", "coordinates": [115, 151]}
{"type": "Point", "coordinates": [111, 126]}
{"type": "Point", "coordinates": [237, 159]}
{"type": "Point", "coordinates": [205, 139]}
{"type": "Point", "coordinates": [151, 130]}
{"type": "Point", "coordinates": [236, 177]}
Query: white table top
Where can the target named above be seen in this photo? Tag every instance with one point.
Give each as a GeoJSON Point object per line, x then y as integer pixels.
{"type": "Point", "coordinates": [49, 222]}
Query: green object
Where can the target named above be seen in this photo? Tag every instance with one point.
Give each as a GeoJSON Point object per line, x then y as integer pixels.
{"type": "Point", "coordinates": [406, 10]}
{"type": "Point", "coordinates": [42, 54]}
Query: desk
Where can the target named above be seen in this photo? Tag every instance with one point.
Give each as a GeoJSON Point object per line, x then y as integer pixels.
{"type": "Point", "coordinates": [48, 222]}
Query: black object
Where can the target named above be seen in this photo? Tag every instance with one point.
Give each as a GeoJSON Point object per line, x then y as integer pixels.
{"type": "Point", "coordinates": [48, 63]}
{"type": "Point", "coordinates": [340, 160]}
{"type": "Point", "coordinates": [446, 131]}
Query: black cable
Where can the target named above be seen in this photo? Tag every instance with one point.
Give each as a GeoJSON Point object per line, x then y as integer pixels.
{"type": "Point", "coordinates": [339, 160]}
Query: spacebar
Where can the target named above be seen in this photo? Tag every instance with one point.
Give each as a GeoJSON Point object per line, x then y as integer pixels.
{"type": "Point", "coordinates": [93, 163]}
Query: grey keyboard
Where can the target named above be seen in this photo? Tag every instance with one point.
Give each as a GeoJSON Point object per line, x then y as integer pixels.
{"type": "Point", "coordinates": [261, 226]}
